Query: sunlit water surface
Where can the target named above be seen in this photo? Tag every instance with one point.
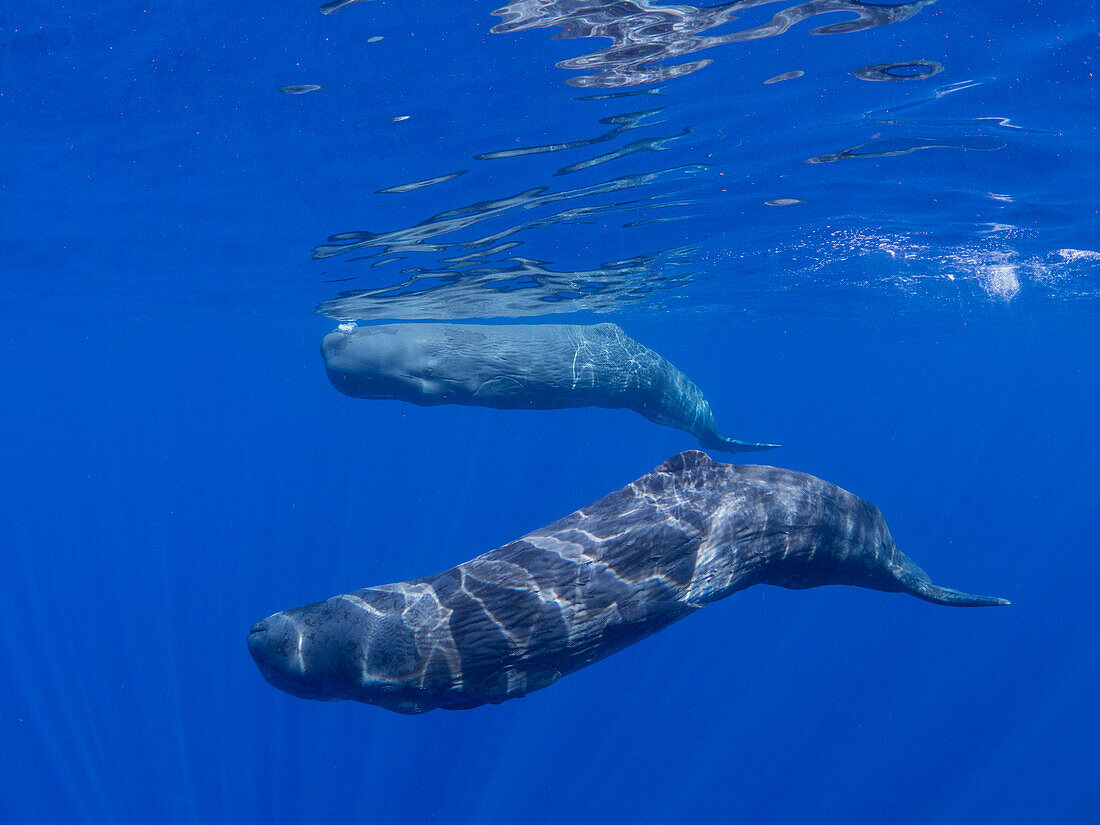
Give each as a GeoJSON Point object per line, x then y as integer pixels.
{"type": "Point", "coordinates": [869, 232]}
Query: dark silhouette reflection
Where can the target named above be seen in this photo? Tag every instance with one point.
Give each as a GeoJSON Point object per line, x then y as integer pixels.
{"type": "Point", "coordinates": [336, 5]}
{"type": "Point", "coordinates": [620, 124]}
{"type": "Point", "coordinates": [889, 148]}
{"type": "Point", "coordinates": [779, 78]}
{"type": "Point", "coordinates": [466, 262]}
{"type": "Point", "coordinates": [483, 277]}
{"type": "Point", "coordinates": [653, 144]}
{"type": "Point", "coordinates": [520, 367]}
{"type": "Point", "coordinates": [412, 186]}
{"type": "Point", "coordinates": [417, 238]}
{"type": "Point", "coordinates": [516, 288]}
{"type": "Point", "coordinates": [644, 34]}
{"type": "Point", "coordinates": [909, 70]}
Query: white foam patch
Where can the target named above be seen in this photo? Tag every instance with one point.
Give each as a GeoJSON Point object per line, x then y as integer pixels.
{"type": "Point", "coordinates": [1001, 262]}
{"type": "Point", "coordinates": [1002, 281]}
{"type": "Point", "coordinates": [996, 271]}
{"type": "Point", "coordinates": [1071, 255]}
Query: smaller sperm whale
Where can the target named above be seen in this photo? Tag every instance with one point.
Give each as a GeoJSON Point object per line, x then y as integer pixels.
{"type": "Point", "coordinates": [520, 367]}
{"type": "Point", "coordinates": [520, 617]}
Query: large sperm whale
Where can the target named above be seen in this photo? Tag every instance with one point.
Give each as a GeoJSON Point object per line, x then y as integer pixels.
{"type": "Point", "coordinates": [520, 367]}
{"type": "Point", "coordinates": [518, 618]}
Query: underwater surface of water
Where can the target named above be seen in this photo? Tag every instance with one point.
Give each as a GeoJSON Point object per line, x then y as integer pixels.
{"type": "Point", "coordinates": [868, 232]}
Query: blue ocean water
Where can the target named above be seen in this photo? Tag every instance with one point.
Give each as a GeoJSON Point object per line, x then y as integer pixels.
{"type": "Point", "coordinates": [889, 263]}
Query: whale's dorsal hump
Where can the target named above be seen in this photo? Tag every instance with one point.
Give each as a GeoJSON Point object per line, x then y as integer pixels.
{"type": "Point", "coordinates": [687, 460]}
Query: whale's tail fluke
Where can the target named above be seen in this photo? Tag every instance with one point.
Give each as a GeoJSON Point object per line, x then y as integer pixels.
{"type": "Point", "coordinates": [917, 583]}
{"type": "Point", "coordinates": [732, 445]}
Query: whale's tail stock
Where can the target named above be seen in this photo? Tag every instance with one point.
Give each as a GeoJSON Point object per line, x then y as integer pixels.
{"type": "Point", "coordinates": [732, 445]}
{"type": "Point", "coordinates": [916, 582]}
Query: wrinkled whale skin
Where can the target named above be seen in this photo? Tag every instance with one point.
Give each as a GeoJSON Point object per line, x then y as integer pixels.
{"type": "Point", "coordinates": [518, 618]}
{"type": "Point", "coordinates": [519, 367]}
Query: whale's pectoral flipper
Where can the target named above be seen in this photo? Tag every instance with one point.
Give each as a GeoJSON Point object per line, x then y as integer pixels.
{"type": "Point", "coordinates": [921, 586]}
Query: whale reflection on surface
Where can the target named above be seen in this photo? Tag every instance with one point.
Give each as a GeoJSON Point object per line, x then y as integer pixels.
{"type": "Point", "coordinates": [483, 277]}
{"type": "Point", "coordinates": [524, 251]}
{"type": "Point", "coordinates": [619, 123]}
{"type": "Point", "coordinates": [418, 238]}
{"type": "Point", "coordinates": [518, 287]}
{"type": "Point", "coordinates": [880, 148]}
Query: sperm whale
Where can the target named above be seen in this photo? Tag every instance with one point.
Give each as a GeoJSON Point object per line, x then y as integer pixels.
{"type": "Point", "coordinates": [520, 617]}
{"type": "Point", "coordinates": [520, 367]}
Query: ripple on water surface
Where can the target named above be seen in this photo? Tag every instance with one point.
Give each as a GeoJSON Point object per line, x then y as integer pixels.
{"type": "Point", "coordinates": [688, 217]}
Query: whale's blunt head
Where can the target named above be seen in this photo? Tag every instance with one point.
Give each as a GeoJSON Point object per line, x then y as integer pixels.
{"type": "Point", "coordinates": [346, 647]}
{"type": "Point", "coordinates": [276, 645]}
{"type": "Point", "coordinates": [300, 657]}
{"type": "Point", "coordinates": [389, 361]}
